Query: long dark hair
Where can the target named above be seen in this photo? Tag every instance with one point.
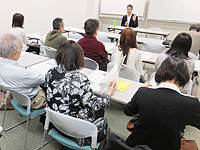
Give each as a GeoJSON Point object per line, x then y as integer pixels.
{"type": "Point", "coordinates": [180, 46]}
{"type": "Point", "coordinates": [70, 55]}
{"type": "Point", "coordinates": [18, 20]}
{"type": "Point", "coordinates": [127, 41]}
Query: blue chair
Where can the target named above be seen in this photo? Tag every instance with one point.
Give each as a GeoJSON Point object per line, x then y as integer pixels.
{"type": "Point", "coordinates": [71, 126]}
{"type": "Point", "coordinates": [18, 102]}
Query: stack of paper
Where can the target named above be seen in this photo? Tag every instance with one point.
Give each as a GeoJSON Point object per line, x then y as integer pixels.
{"type": "Point", "coordinates": [123, 85]}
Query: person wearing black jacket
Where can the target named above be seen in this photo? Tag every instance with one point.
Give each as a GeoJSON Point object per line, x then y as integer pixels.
{"type": "Point", "coordinates": [163, 111]}
{"type": "Point", "coordinates": [130, 20]}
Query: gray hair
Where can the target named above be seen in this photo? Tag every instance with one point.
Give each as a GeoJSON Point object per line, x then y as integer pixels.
{"type": "Point", "coordinates": [129, 5]}
{"type": "Point", "coordinates": [195, 27]}
{"type": "Point", "coordinates": [8, 44]}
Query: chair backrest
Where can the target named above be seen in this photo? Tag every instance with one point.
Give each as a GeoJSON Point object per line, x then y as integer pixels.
{"type": "Point", "coordinates": [187, 89]}
{"type": "Point", "coordinates": [193, 56]}
{"type": "Point", "coordinates": [91, 64]}
{"type": "Point", "coordinates": [49, 52]}
{"type": "Point", "coordinates": [74, 35]}
{"type": "Point", "coordinates": [71, 126]}
{"type": "Point", "coordinates": [153, 47]}
{"type": "Point", "coordinates": [102, 38]}
{"type": "Point", "coordinates": [23, 100]}
{"type": "Point", "coordinates": [42, 43]}
{"type": "Point", "coordinates": [126, 72]}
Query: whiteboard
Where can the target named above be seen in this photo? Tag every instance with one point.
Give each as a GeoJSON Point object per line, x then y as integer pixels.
{"type": "Point", "coordinates": [175, 10]}
{"type": "Point", "coordinates": [118, 7]}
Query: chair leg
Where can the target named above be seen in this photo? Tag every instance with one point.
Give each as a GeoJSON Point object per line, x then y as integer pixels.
{"type": "Point", "coordinates": [26, 131]}
{"type": "Point", "coordinates": [45, 131]}
{"type": "Point", "coordinates": [15, 125]}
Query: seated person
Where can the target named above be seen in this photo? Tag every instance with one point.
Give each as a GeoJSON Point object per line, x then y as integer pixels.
{"type": "Point", "coordinates": [180, 47]}
{"type": "Point", "coordinates": [18, 30]}
{"type": "Point", "coordinates": [92, 48]}
{"type": "Point", "coordinates": [130, 20]}
{"type": "Point", "coordinates": [69, 91]}
{"type": "Point", "coordinates": [16, 78]}
{"type": "Point", "coordinates": [194, 32]}
{"type": "Point", "coordinates": [163, 111]}
{"type": "Point", "coordinates": [128, 47]}
{"type": "Point", "coordinates": [55, 38]}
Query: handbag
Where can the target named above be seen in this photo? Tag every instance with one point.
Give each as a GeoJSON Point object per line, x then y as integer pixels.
{"type": "Point", "coordinates": [116, 143]}
{"type": "Point", "coordinates": [188, 145]}
{"type": "Point", "coordinates": [4, 102]}
{"type": "Point", "coordinates": [102, 126]}
{"type": "Point", "coordinates": [130, 125]}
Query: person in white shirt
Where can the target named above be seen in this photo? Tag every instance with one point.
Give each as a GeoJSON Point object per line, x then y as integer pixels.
{"type": "Point", "coordinates": [16, 78]}
{"type": "Point", "coordinates": [128, 47]}
{"type": "Point", "coordinates": [130, 20]}
{"type": "Point", "coordinates": [18, 30]}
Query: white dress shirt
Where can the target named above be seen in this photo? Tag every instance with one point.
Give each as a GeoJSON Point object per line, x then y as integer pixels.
{"type": "Point", "coordinates": [17, 78]}
{"type": "Point", "coordinates": [19, 32]}
{"type": "Point", "coordinates": [128, 19]}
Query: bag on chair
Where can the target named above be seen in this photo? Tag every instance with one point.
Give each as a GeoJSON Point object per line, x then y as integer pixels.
{"type": "Point", "coordinates": [102, 126]}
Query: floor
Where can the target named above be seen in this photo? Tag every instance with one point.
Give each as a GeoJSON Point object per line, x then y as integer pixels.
{"type": "Point", "coordinates": [14, 139]}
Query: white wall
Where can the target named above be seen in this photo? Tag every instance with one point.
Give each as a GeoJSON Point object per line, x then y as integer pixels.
{"type": "Point", "coordinates": [39, 14]}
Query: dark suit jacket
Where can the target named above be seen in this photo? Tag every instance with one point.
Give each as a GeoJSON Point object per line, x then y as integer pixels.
{"type": "Point", "coordinates": [132, 23]}
{"type": "Point", "coordinates": [163, 113]}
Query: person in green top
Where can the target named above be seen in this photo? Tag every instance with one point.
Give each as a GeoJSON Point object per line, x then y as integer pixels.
{"type": "Point", "coordinates": [55, 38]}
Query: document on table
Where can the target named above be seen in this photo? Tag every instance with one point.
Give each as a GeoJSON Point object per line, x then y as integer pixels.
{"type": "Point", "coordinates": [44, 67]}
{"type": "Point", "coordinates": [123, 85]}
{"type": "Point", "coordinates": [101, 80]}
{"type": "Point", "coordinates": [145, 56]}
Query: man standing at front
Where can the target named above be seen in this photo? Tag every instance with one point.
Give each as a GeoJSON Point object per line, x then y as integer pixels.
{"type": "Point", "coordinates": [130, 20]}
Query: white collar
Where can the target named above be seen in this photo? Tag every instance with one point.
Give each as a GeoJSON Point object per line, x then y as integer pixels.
{"type": "Point", "coordinates": [173, 87]}
{"type": "Point", "coordinates": [169, 86]}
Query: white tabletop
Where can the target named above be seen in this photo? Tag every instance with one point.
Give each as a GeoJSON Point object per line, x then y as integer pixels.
{"type": "Point", "coordinates": [28, 59]}
{"type": "Point", "coordinates": [118, 96]}
{"type": "Point", "coordinates": [82, 31]}
{"type": "Point", "coordinates": [149, 57]}
{"type": "Point", "coordinates": [142, 30]}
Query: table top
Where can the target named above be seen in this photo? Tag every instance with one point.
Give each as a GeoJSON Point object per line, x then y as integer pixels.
{"type": "Point", "coordinates": [142, 30]}
{"type": "Point", "coordinates": [118, 96]}
{"type": "Point", "coordinates": [149, 57]}
{"type": "Point", "coordinates": [82, 31]}
{"type": "Point", "coordinates": [28, 59]}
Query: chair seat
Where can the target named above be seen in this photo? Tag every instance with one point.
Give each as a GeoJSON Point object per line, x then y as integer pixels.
{"type": "Point", "coordinates": [22, 111]}
{"type": "Point", "coordinates": [67, 142]}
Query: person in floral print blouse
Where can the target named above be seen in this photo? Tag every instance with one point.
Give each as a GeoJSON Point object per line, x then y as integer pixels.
{"type": "Point", "coordinates": [69, 91]}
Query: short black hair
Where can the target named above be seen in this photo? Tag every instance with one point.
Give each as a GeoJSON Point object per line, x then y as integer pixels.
{"type": "Point", "coordinates": [17, 20]}
{"type": "Point", "coordinates": [180, 46]}
{"type": "Point", "coordinates": [129, 5]}
{"type": "Point", "coordinates": [91, 25]}
{"type": "Point", "coordinates": [57, 23]}
{"type": "Point", "coordinates": [195, 27]}
{"type": "Point", "coordinates": [70, 55]}
{"type": "Point", "coordinates": [173, 68]}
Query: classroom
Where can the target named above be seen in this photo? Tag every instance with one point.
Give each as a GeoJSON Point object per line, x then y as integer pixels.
{"type": "Point", "coordinates": [100, 74]}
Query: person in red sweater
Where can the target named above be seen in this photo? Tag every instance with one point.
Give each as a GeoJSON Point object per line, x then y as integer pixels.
{"type": "Point", "coordinates": [92, 47]}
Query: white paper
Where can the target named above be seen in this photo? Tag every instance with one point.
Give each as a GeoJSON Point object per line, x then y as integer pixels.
{"type": "Point", "coordinates": [44, 67]}
{"type": "Point", "coordinates": [101, 80]}
{"type": "Point", "coordinates": [145, 56]}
